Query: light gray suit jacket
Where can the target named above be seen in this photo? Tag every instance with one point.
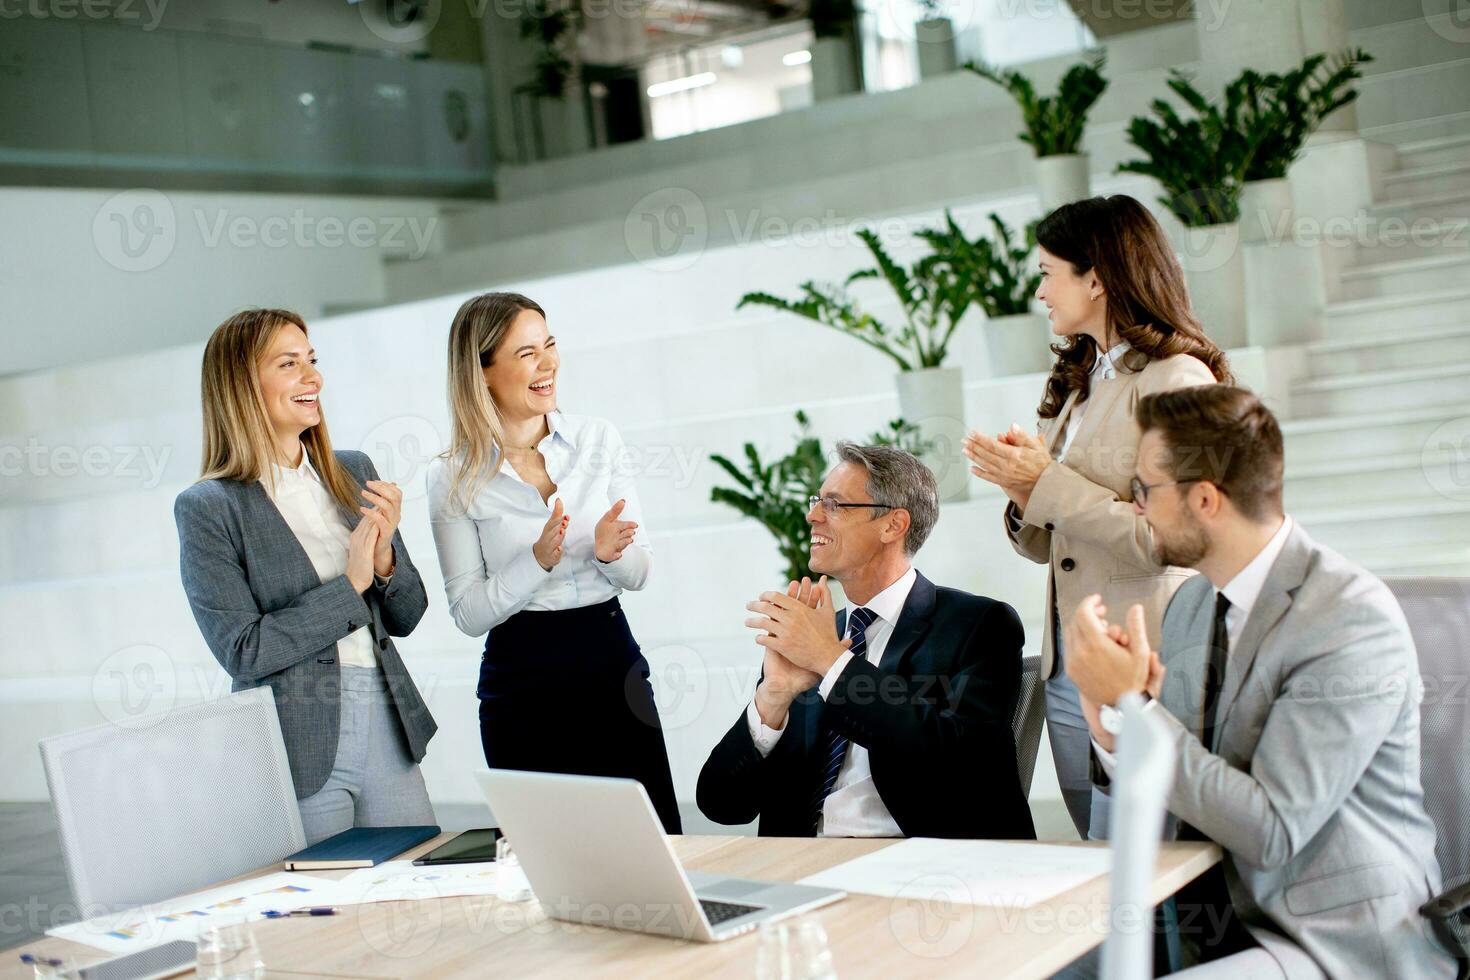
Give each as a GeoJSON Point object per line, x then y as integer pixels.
{"type": "Point", "coordinates": [268, 618]}
{"type": "Point", "coordinates": [1313, 789]}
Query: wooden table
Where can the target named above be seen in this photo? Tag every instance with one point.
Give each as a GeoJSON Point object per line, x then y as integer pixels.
{"type": "Point", "coordinates": [870, 936]}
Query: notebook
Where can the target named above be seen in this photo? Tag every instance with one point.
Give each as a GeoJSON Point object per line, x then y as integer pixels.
{"type": "Point", "coordinates": [360, 847]}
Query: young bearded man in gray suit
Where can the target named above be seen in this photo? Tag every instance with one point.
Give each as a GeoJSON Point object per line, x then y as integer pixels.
{"type": "Point", "coordinates": [1289, 680]}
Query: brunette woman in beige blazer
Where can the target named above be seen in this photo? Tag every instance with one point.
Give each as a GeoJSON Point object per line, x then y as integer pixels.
{"type": "Point", "coordinates": [1117, 296]}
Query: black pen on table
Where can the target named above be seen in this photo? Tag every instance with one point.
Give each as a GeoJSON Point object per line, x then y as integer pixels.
{"type": "Point", "coordinates": [300, 913]}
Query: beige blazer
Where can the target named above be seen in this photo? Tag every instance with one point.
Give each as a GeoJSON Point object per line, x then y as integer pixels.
{"type": "Point", "coordinates": [1080, 517]}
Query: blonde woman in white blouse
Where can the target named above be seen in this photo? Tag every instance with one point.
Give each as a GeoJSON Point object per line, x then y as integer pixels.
{"type": "Point", "coordinates": [538, 531]}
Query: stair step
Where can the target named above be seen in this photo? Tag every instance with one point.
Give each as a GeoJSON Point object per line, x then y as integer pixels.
{"type": "Point", "coordinates": [1416, 560]}
{"type": "Point", "coordinates": [1380, 390]}
{"type": "Point", "coordinates": [1435, 151]}
{"type": "Point", "coordinates": [1392, 351]}
{"type": "Point", "coordinates": [1385, 524]}
{"type": "Point", "coordinates": [1428, 476]}
{"type": "Point", "coordinates": [1383, 315]}
{"type": "Point", "coordinates": [1394, 240]}
{"type": "Point", "coordinates": [1429, 180]}
{"type": "Point", "coordinates": [1416, 275]}
{"type": "Point", "coordinates": [1353, 435]}
{"type": "Point", "coordinates": [1434, 207]}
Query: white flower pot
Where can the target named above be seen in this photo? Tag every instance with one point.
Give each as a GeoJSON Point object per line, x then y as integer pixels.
{"type": "Point", "coordinates": [835, 69]}
{"type": "Point", "coordinates": [1265, 211]}
{"type": "Point", "coordinates": [1063, 179]}
{"type": "Point", "coordinates": [1018, 344]}
{"type": "Point", "coordinates": [1214, 267]}
{"type": "Point", "coordinates": [936, 44]}
{"type": "Point", "coordinates": [934, 400]}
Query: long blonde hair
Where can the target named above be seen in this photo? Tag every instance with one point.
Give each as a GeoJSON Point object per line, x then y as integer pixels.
{"type": "Point", "coordinates": [477, 437]}
{"type": "Point", "coordinates": [239, 443]}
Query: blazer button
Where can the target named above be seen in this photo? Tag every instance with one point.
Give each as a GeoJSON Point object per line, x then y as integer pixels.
{"type": "Point", "coordinates": [351, 625]}
{"type": "Point", "coordinates": [1068, 564]}
{"type": "Point", "coordinates": [1050, 526]}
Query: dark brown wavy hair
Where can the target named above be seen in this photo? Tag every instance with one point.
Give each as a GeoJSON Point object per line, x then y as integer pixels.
{"type": "Point", "coordinates": [1148, 304]}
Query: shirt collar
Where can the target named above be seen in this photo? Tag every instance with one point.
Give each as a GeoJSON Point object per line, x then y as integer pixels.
{"type": "Point", "coordinates": [1106, 364]}
{"type": "Point", "coordinates": [1245, 588]}
{"type": "Point", "coordinates": [887, 605]}
{"type": "Point", "coordinates": [559, 427]}
{"type": "Point", "coordinates": [289, 475]}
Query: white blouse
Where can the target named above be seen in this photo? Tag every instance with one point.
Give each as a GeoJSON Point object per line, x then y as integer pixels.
{"type": "Point", "coordinates": [312, 514]}
{"type": "Point", "coordinates": [490, 572]}
{"type": "Point", "coordinates": [1105, 368]}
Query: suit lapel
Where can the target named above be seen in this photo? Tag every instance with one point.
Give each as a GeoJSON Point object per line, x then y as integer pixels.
{"type": "Point", "coordinates": [812, 729]}
{"type": "Point", "coordinates": [913, 623]}
{"type": "Point", "coordinates": [1286, 576]}
{"type": "Point", "coordinates": [1184, 691]}
{"type": "Point", "coordinates": [1101, 398]}
{"type": "Point", "coordinates": [1059, 424]}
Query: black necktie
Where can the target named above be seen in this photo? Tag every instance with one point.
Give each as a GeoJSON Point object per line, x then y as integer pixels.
{"type": "Point", "coordinates": [1215, 672]}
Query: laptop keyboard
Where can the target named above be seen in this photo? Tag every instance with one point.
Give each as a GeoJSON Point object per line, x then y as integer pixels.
{"type": "Point", "coordinates": [718, 912]}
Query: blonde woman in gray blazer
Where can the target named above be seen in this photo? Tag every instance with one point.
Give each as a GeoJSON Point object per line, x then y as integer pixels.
{"type": "Point", "coordinates": [298, 578]}
{"type": "Point", "coordinates": [1116, 295]}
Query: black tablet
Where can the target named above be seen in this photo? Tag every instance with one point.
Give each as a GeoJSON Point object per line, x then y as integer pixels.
{"type": "Point", "coordinates": [469, 847]}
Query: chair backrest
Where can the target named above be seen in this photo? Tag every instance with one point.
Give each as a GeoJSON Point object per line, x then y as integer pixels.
{"type": "Point", "coordinates": [1438, 611]}
{"type": "Point", "coordinates": [1141, 785]}
{"type": "Point", "coordinates": [173, 802]}
{"type": "Point", "coordinates": [1026, 725]}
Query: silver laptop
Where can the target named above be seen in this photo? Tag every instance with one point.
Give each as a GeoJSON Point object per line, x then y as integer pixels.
{"type": "Point", "coordinates": [595, 853]}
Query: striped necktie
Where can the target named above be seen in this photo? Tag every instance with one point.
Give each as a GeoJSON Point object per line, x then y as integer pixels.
{"type": "Point", "coordinates": [857, 630]}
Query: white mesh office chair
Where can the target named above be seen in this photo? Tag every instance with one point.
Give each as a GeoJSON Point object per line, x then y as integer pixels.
{"type": "Point", "coordinates": [1026, 724]}
{"type": "Point", "coordinates": [150, 811]}
{"type": "Point", "coordinates": [1438, 611]}
{"type": "Point", "coordinates": [1140, 796]}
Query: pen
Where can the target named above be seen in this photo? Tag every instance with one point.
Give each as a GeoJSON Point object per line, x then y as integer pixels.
{"type": "Point", "coordinates": [294, 913]}
{"type": "Point", "coordinates": [33, 960]}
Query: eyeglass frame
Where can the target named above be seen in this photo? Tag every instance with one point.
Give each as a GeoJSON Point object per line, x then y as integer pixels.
{"type": "Point", "coordinates": [827, 508]}
{"type": "Point", "coordinates": [1140, 490]}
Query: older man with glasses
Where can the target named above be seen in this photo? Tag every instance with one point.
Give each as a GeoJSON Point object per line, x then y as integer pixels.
{"type": "Point", "coordinates": [892, 716]}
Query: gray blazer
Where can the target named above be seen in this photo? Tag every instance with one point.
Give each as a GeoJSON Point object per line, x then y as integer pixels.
{"type": "Point", "coordinates": [268, 618]}
{"type": "Point", "coordinates": [1315, 792]}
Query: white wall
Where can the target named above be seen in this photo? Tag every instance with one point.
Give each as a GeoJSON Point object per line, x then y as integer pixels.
{"type": "Point", "coordinates": [93, 274]}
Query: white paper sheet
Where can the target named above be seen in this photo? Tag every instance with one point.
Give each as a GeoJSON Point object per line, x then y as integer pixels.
{"type": "Point", "coordinates": [401, 881]}
{"type": "Point", "coordinates": [968, 872]}
{"type": "Point", "coordinates": [187, 917]}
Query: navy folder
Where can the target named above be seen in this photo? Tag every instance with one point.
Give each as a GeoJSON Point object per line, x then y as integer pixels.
{"type": "Point", "coordinates": [360, 847]}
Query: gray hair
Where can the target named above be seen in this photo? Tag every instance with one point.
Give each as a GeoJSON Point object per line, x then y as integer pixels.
{"type": "Point", "coordinates": [900, 480]}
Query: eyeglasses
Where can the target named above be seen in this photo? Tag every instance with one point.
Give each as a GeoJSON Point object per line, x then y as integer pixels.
{"type": "Point", "coordinates": [1140, 490]}
{"type": "Point", "coordinates": [830, 505]}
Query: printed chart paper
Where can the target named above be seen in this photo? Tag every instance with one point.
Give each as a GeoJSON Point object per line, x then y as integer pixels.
{"type": "Point", "coordinates": [402, 881]}
{"type": "Point", "coordinates": [187, 917]}
{"type": "Point", "coordinates": [968, 872]}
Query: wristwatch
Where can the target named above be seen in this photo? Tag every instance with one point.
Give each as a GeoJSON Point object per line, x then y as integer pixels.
{"type": "Point", "coordinates": [1111, 718]}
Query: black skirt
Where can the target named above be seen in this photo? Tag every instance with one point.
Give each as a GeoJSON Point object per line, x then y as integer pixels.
{"type": "Point", "coordinates": [567, 691]}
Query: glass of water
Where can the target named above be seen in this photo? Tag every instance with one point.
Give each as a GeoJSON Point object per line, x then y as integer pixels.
{"type": "Point", "coordinates": [794, 950]}
{"type": "Point", "coordinates": [227, 951]}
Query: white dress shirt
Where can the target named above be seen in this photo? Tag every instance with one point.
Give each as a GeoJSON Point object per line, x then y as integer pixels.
{"type": "Point", "coordinates": [312, 514]}
{"type": "Point", "coordinates": [490, 572]}
{"type": "Point", "coordinates": [1105, 368]}
{"type": "Point", "coordinates": [853, 808]}
{"type": "Point", "coordinates": [1242, 591]}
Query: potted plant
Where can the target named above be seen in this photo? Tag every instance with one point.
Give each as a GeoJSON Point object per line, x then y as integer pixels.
{"type": "Point", "coordinates": [837, 67]}
{"type": "Point", "coordinates": [1200, 158]}
{"type": "Point", "coordinates": [932, 299]}
{"type": "Point", "coordinates": [935, 36]}
{"type": "Point", "coordinates": [776, 494]}
{"type": "Point", "coordinates": [1003, 284]}
{"type": "Point", "coordinates": [554, 27]}
{"type": "Point", "coordinates": [1280, 113]}
{"type": "Point", "coordinates": [1055, 125]}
